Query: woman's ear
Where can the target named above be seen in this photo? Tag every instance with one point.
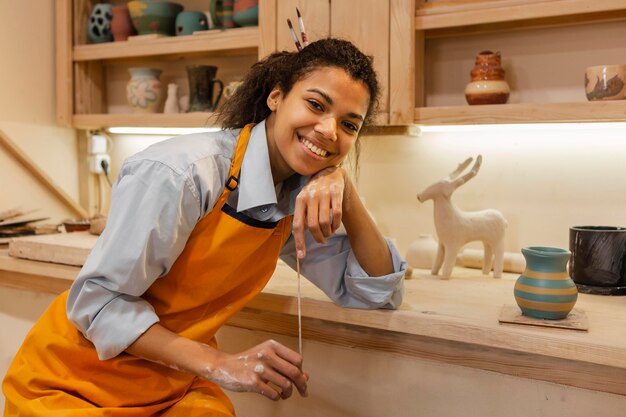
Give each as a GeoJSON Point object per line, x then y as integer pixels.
{"type": "Point", "coordinates": [273, 98]}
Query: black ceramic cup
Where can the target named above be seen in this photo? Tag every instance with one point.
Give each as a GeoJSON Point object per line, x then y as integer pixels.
{"type": "Point", "coordinates": [598, 261]}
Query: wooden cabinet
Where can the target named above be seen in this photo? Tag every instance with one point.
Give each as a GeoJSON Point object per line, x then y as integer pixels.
{"type": "Point", "coordinates": [382, 29]}
{"type": "Point", "coordinates": [91, 78]}
{"type": "Point", "coordinates": [545, 45]}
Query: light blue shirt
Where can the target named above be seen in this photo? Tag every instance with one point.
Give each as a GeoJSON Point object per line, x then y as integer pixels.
{"type": "Point", "coordinates": [159, 197]}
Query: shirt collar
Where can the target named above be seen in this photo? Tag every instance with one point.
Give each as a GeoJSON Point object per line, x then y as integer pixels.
{"type": "Point", "coordinates": [256, 186]}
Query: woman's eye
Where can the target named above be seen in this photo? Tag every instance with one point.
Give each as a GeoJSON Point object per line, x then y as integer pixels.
{"type": "Point", "coordinates": [351, 126]}
{"type": "Point", "coordinates": [316, 105]}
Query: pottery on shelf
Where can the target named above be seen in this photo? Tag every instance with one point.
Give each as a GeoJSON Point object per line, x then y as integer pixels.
{"type": "Point", "coordinates": [422, 252]}
{"type": "Point", "coordinates": [598, 262]}
{"type": "Point", "coordinates": [246, 12]}
{"type": "Point", "coordinates": [171, 102]}
{"type": "Point", "coordinates": [121, 24]}
{"type": "Point", "coordinates": [201, 83]}
{"type": "Point", "coordinates": [545, 289]}
{"type": "Point", "coordinates": [143, 91]}
{"type": "Point", "coordinates": [99, 24]}
{"type": "Point", "coordinates": [188, 22]}
{"type": "Point", "coordinates": [605, 82]}
{"type": "Point", "coordinates": [488, 85]}
{"type": "Point", "coordinates": [154, 17]}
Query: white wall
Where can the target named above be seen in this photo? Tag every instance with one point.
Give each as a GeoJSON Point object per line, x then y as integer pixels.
{"type": "Point", "coordinates": [27, 110]}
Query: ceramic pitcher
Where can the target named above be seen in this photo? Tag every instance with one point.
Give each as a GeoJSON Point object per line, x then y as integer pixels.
{"type": "Point", "coordinates": [201, 82]}
{"type": "Point", "coordinates": [545, 289]}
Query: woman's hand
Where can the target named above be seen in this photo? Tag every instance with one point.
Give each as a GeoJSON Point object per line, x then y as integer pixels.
{"type": "Point", "coordinates": [319, 207]}
{"type": "Point", "coordinates": [271, 369]}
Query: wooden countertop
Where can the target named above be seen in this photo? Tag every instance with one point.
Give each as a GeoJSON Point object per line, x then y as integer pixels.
{"type": "Point", "coordinates": [453, 321]}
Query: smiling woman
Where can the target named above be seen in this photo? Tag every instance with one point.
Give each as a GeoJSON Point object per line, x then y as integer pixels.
{"type": "Point", "coordinates": [209, 215]}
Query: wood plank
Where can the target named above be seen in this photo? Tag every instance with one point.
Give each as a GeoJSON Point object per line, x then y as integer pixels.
{"type": "Point", "coordinates": [30, 165]}
{"type": "Point", "coordinates": [599, 111]}
{"type": "Point", "coordinates": [267, 27]}
{"type": "Point", "coordinates": [62, 248]}
{"type": "Point", "coordinates": [63, 63]}
{"type": "Point", "coordinates": [402, 62]}
{"type": "Point", "coordinates": [371, 35]}
{"type": "Point", "coordinates": [212, 41]}
{"type": "Point", "coordinates": [100, 121]}
{"type": "Point", "coordinates": [43, 269]}
{"type": "Point", "coordinates": [464, 13]}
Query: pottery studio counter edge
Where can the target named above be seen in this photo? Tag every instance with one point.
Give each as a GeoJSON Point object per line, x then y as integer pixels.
{"type": "Point", "coordinates": [453, 321]}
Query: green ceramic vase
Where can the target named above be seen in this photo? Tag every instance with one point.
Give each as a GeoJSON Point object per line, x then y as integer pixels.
{"type": "Point", "coordinates": [545, 289]}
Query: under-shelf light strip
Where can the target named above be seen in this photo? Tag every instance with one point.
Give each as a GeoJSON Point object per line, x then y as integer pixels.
{"type": "Point", "coordinates": [170, 131]}
{"type": "Point", "coordinates": [519, 127]}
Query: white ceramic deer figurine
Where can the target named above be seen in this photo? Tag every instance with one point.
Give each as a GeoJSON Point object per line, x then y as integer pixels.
{"type": "Point", "coordinates": [455, 227]}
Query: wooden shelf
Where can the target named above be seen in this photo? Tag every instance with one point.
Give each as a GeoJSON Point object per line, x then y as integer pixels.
{"type": "Point", "coordinates": [599, 111]}
{"type": "Point", "coordinates": [455, 14]}
{"type": "Point", "coordinates": [99, 121]}
{"type": "Point", "coordinates": [246, 39]}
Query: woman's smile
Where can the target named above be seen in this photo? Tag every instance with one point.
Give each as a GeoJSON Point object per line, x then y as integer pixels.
{"type": "Point", "coordinates": [314, 125]}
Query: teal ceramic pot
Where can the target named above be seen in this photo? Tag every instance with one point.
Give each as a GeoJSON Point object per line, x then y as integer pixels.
{"type": "Point", "coordinates": [246, 12]}
{"type": "Point", "coordinates": [188, 22]}
{"type": "Point", "coordinates": [545, 289]}
{"type": "Point", "coordinates": [154, 16]}
{"type": "Point", "coordinates": [99, 25]}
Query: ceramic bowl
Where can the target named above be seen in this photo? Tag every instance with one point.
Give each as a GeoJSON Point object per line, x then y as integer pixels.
{"type": "Point", "coordinates": [190, 21]}
{"type": "Point", "coordinates": [154, 16]}
{"type": "Point", "coordinates": [605, 82]}
{"type": "Point", "coordinates": [76, 225]}
{"type": "Point", "coordinates": [598, 261]}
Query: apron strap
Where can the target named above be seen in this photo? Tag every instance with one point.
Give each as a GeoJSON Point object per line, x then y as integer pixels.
{"type": "Point", "coordinates": [235, 166]}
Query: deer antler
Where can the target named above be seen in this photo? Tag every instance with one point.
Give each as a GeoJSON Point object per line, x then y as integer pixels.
{"type": "Point", "coordinates": [465, 178]}
{"type": "Point", "coordinates": [460, 168]}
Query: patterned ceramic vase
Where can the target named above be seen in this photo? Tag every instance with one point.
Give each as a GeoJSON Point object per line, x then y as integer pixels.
{"type": "Point", "coordinates": [488, 85]}
{"type": "Point", "coordinates": [99, 25]}
{"type": "Point", "coordinates": [545, 289]}
{"type": "Point", "coordinates": [143, 91]}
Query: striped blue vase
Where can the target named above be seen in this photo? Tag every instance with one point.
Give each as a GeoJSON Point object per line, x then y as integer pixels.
{"type": "Point", "coordinates": [545, 289]}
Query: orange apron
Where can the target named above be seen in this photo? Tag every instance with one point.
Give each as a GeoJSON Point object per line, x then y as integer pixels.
{"type": "Point", "coordinates": [227, 260]}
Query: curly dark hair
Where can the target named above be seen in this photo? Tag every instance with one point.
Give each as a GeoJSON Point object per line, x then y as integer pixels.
{"type": "Point", "coordinates": [284, 69]}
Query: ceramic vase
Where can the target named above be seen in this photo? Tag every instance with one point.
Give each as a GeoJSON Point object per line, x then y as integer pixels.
{"type": "Point", "coordinates": [171, 102]}
{"type": "Point", "coordinates": [121, 25]}
{"type": "Point", "coordinates": [227, 14]}
{"type": "Point", "coordinates": [190, 21]}
{"type": "Point", "coordinates": [246, 12]}
{"type": "Point", "coordinates": [545, 289]}
{"type": "Point", "coordinates": [201, 92]}
{"type": "Point", "coordinates": [99, 25]}
{"type": "Point", "coordinates": [143, 91]}
{"type": "Point", "coordinates": [488, 85]}
{"type": "Point", "coordinates": [422, 252]}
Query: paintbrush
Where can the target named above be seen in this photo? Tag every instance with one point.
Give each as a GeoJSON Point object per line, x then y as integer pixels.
{"type": "Point", "coordinates": [294, 36]}
{"type": "Point", "coordinates": [305, 41]}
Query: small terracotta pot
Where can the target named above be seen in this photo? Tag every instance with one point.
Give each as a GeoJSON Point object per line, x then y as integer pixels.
{"type": "Point", "coordinates": [488, 85]}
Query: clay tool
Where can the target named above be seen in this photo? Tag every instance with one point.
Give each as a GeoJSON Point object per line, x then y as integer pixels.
{"type": "Point", "coordinates": [299, 309]}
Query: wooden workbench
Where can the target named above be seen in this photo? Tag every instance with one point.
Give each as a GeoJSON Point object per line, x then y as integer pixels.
{"type": "Point", "coordinates": [453, 321]}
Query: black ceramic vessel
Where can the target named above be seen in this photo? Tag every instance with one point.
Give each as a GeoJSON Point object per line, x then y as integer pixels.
{"type": "Point", "coordinates": [598, 261]}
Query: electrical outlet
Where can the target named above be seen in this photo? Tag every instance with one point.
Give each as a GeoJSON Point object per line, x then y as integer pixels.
{"type": "Point", "coordinates": [97, 144]}
{"type": "Point", "coordinates": [95, 163]}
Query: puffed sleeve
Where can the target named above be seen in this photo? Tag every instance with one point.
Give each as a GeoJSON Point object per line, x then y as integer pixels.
{"type": "Point", "coordinates": [333, 267]}
{"type": "Point", "coordinates": [153, 211]}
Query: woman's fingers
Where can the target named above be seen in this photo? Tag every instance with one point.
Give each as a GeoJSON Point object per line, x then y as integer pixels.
{"type": "Point", "coordinates": [319, 208]}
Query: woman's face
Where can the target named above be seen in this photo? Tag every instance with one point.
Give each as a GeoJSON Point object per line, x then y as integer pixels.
{"type": "Point", "coordinates": [316, 124]}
